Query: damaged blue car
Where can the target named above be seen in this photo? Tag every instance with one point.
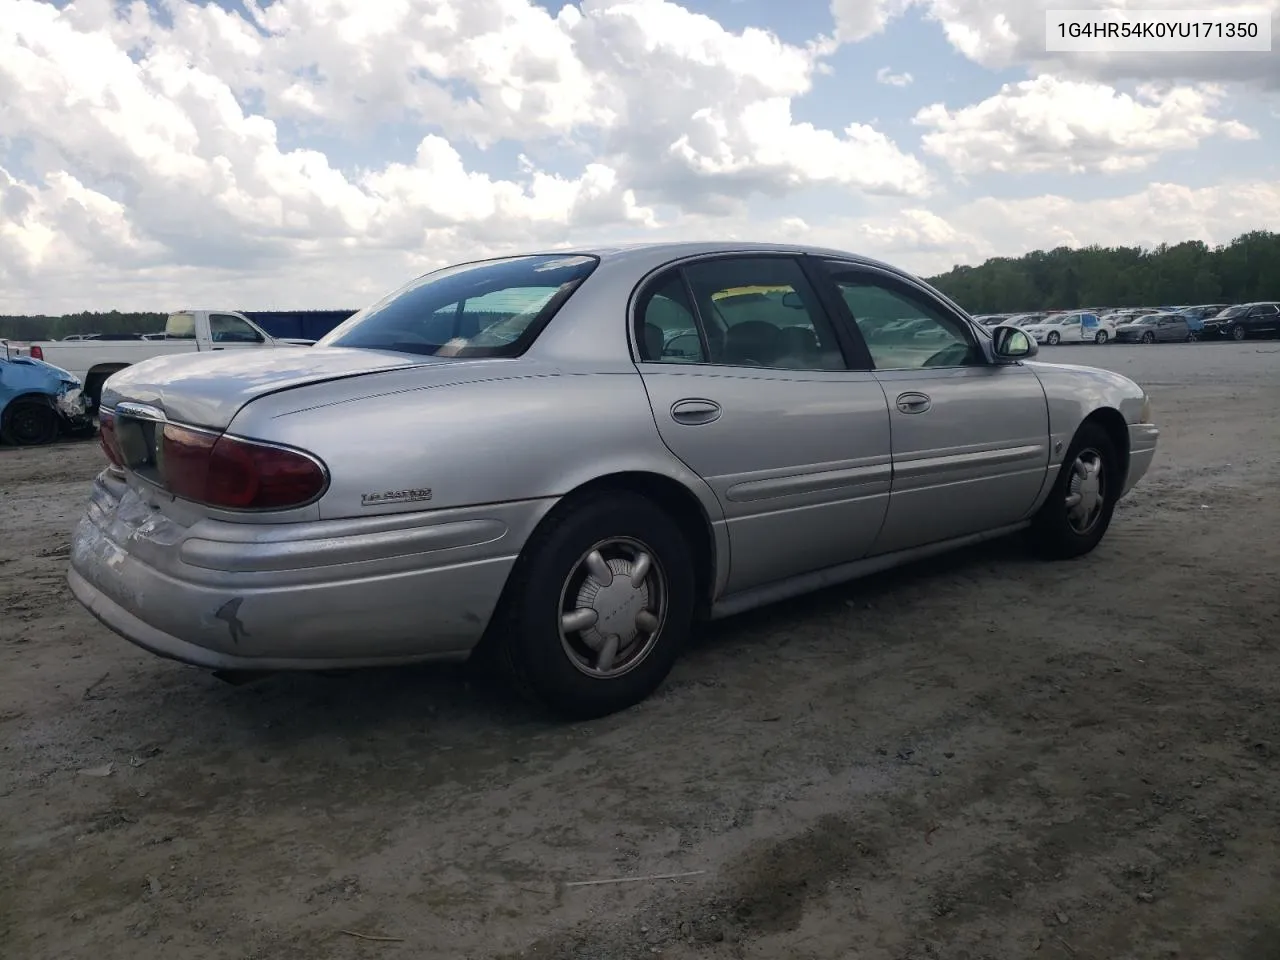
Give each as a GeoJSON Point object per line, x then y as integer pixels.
{"type": "Point", "coordinates": [38, 401]}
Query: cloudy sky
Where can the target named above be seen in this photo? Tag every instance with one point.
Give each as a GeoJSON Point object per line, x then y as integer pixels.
{"type": "Point", "coordinates": [316, 153]}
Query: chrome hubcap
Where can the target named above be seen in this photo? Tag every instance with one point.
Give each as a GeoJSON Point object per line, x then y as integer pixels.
{"type": "Point", "coordinates": [1086, 491]}
{"type": "Point", "coordinates": [612, 607]}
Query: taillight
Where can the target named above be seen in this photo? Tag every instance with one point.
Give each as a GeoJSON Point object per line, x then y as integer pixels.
{"type": "Point", "coordinates": [107, 437]}
{"type": "Point", "coordinates": [237, 474]}
{"type": "Point", "coordinates": [36, 352]}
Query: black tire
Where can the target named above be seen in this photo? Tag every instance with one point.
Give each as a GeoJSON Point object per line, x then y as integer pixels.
{"type": "Point", "coordinates": [525, 635]}
{"type": "Point", "coordinates": [1100, 338]}
{"type": "Point", "coordinates": [1052, 339]}
{"type": "Point", "coordinates": [1237, 333]}
{"type": "Point", "coordinates": [1148, 337]}
{"type": "Point", "coordinates": [29, 423]}
{"type": "Point", "coordinates": [1052, 532]}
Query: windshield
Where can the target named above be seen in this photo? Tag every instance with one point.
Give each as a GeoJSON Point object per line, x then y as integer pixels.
{"type": "Point", "coordinates": [1237, 311]}
{"type": "Point", "coordinates": [1146, 321]}
{"type": "Point", "coordinates": [491, 308]}
{"type": "Point", "coordinates": [1053, 321]}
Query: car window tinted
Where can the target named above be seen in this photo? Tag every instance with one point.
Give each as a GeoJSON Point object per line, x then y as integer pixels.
{"type": "Point", "coordinates": [180, 326]}
{"type": "Point", "coordinates": [762, 312]}
{"type": "Point", "coordinates": [902, 330]}
{"type": "Point", "coordinates": [224, 328]}
{"type": "Point", "coordinates": [668, 331]}
{"type": "Point", "coordinates": [494, 308]}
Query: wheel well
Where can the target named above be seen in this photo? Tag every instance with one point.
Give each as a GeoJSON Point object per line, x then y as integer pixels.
{"type": "Point", "coordinates": [1113, 422]}
{"type": "Point", "coordinates": [96, 377]}
{"type": "Point", "coordinates": [683, 507]}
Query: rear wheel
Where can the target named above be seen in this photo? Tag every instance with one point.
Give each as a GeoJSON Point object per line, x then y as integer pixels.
{"type": "Point", "coordinates": [1077, 513]}
{"type": "Point", "coordinates": [29, 423]}
{"type": "Point", "coordinates": [598, 606]}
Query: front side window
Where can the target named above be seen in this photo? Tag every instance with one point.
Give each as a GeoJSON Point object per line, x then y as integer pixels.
{"type": "Point", "coordinates": [762, 312]}
{"type": "Point", "coordinates": [902, 330]}
{"type": "Point", "coordinates": [224, 328]}
{"type": "Point", "coordinates": [494, 308]}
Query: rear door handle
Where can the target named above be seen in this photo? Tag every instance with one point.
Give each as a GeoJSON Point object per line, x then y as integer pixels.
{"type": "Point", "coordinates": [695, 411]}
{"type": "Point", "coordinates": [914, 403]}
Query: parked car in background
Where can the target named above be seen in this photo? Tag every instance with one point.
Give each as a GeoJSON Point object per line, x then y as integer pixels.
{"type": "Point", "coordinates": [97, 356]}
{"type": "Point", "coordinates": [1156, 328]}
{"type": "Point", "coordinates": [38, 401]}
{"type": "Point", "coordinates": [553, 491]}
{"type": "Point", "coordinates": [1076, 327]}
{"type": "Point", "coordinates": [1243, 320]}
{"type": "Point", "coordinates": [1197, 314]}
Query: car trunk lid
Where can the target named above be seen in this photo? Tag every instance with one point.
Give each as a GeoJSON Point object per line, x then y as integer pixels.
{"type": "Point", "coordinates": [207, 390]}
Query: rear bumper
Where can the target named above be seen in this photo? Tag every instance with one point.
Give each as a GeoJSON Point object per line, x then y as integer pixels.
{"type": "Point", "coordinates": [1143, 438]}
{"type": "Point", "coordinates": [295, 596]}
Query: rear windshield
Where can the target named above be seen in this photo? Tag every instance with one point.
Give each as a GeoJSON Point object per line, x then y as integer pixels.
{"type": "Point", "coordinates": [493, 308]}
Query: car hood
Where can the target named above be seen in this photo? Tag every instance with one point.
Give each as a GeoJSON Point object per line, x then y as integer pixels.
{"type": "Point", "coordinates": [66, 376]}
{"type": "Point", "coordinates": [208, 389]}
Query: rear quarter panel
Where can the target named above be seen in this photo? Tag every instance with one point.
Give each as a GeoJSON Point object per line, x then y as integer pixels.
{"type": "Point", "coordinates": [521, 437]}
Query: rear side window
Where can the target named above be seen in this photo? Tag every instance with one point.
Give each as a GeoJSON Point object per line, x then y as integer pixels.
{"type": "Point", "coordinates": [180, 326]}
{"type": "Point", "coordinates": [493, 308]}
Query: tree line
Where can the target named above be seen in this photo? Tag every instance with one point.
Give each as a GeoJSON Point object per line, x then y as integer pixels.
{"type": "Point", "coordinates": [1246, 269]}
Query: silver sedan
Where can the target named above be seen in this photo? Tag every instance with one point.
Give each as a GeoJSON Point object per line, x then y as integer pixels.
{"type": "Point", "coordinates": [557, 463]}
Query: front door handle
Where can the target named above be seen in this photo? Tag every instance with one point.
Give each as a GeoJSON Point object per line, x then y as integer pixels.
{"type": "Point", "coordinates": [693, 412]}
{"type": "Point", "coordinates": [914, 403]}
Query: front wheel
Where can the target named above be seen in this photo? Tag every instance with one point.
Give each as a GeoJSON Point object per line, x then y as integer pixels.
{"type": "Point", "coordinates": [1148, 337]}
{"type": "Point", "coordinates": [1237, 333]}
{"type": "Point", "coordinates": [1192, 337]}
{"type": "Point", "coordinates": [1073, 519]}
{"type": "Point", "coordinates": [1101, 338]}
{"type": "Point", "coordinates": [29, 423]}
{"type": "Point", "coordinates": [1052, 339]}
{"type": "Point", "coordinates": [598, 606]}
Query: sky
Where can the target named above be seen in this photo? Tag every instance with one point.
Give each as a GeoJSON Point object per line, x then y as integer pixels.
{"type": "Point", "coordinates": [296, 154]}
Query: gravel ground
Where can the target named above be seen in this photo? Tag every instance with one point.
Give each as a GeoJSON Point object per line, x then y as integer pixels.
{"type": "Point", "coordinates": [981, 756]}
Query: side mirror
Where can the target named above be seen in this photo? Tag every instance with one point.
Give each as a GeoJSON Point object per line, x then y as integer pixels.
{"type": "Point", "coordinates": [792, 300]}
{"type": "Point", "coordinates": [1011, 343]}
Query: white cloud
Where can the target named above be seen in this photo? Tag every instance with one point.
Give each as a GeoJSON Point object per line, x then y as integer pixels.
{"type": "Point", "coordinates": [148, 161]}
{"type": "Point", "coordinates": [890, 79]}
{"type": "Point", "coordinates": [161, 139]}
{"type": "Point", "coordinates": [1048, 124]}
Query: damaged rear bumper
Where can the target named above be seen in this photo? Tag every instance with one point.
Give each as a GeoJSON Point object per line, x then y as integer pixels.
{"type": "Point", "coordinates": [294, 596]}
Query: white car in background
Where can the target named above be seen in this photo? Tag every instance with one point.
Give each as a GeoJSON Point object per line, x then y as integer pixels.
{"type": "Point", "coordinates": [1077, 327]}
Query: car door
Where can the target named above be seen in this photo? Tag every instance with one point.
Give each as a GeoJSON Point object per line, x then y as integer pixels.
{"type": "Point", "coordinates": [1071, 328]}
{"type": "Point", "coordinates": [970, 437]}
{"type": "Point", "coordinates": [753, 387]}
{"type": "Point", "coordinates": [1263, 318]}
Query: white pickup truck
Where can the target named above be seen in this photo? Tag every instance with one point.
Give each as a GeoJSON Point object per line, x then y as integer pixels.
{"type": "Point", "coordinates": [187, 331]}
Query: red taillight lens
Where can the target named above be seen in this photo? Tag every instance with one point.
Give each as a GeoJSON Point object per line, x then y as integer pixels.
{"type": "Point", "coordinates": [107, 438]}
{"type": "Point", "coordinates": [37, 353]}
{"type": "Point", "coordinates": [236, 474]}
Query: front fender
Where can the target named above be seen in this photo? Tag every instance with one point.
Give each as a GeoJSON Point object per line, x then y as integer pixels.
{"type": "Point", "coordinates": [1074, 392]}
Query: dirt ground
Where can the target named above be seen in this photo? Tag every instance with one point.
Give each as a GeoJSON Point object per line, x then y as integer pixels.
{"type": "Point", "coordinates": [983, 756]}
